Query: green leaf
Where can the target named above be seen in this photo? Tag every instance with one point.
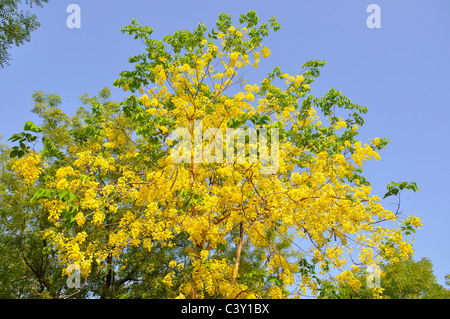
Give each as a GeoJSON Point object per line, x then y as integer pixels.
{"type": "Point", "coordinates": [71, 198]}
{"type": "Point", "coordinates": [14, 153]}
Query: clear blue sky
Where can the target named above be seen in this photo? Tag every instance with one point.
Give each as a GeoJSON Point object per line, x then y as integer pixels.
{"type": "Point", "coordinates": [400, 72]}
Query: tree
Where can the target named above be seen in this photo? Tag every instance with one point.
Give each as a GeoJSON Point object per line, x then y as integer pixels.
{"type": "Point", "coordinates": [15, 26]}
{"type": "Point", "coordinates": [401, 280]}
{"type": "Point", "coordinates": [137, 177]}
{"type": "Point", "coordinates": [29, 267]}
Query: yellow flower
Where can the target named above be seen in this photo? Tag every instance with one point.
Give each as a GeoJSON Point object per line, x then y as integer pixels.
{"type": "Point", "coordinates": [145, 100]}
{"type": "Point", "coordinates": [340, 124]}
{"type": "Point", "coordinates": [79, 218]}
{"type": "Point", "coordinates": [126, 87]}
{"type": "Point", "coordinates": [98, 218]}
{"type": "Point", "coordinates": [163, 128]}
{"type": "Point", "coordinates": [229, 73]}
{"type": "Point", "coordinates": [204, 254]}
{"type": "Point", "coordinates": [168, 279]}
{"type": "Point", "coordinates": [265, 52]}
{"type": "Point", "coordinates": [415, 221]}
{"type": "Point", "coordinates": [239, 97]}
{"type": "Point", "coordinates": [233, 58]}
{"type": "Point", "coordinates": [62, 184]}
{"type": "Point", "coordinates": [231, 30]}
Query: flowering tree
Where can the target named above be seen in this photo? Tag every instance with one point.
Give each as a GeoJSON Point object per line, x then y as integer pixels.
{"type": "Point", "coordinates": [114, 183]}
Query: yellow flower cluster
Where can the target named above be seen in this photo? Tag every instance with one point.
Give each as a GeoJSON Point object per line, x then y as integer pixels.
{"type": "Point", "coordinates": [377, 293]}
{"type": "Point", "coordinates": [54, 208]}
{"type": "Point", "coordinates": [29, 168]}
{"type": "Point", "coordinates": [115, 138]}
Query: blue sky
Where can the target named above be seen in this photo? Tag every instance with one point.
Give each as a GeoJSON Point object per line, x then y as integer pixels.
{"type": "Point", "coordinates": [399, 71]}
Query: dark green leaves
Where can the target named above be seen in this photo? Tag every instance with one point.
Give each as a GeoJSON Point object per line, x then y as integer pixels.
{"type": "Point", "coordinates": [274, 24]}
{"type": "Point", "coordinates": [237, 121]}
{"type": "Point", "coordinates": [223, 22]}
{"type": "Point", "coordinates": [257, 33]}
{"type": "Point", "coordinates": [250, 18]}
{"type": "Point", "coordinates": [395, 188]}
{"type": "Point", "coordinates": [190, 198]}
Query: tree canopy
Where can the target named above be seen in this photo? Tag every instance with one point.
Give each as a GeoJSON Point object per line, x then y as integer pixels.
{"type": "Point", "coordinates": [107, 190]}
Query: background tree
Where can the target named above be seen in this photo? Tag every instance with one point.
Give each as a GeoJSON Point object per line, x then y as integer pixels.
{"type": "Point", "coordinates": [112, 190]}
{"type": "Point", "coordinates": [15, 25]}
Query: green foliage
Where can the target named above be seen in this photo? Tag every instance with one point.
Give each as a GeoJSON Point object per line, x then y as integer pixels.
{"type": "Point", "coordinates": [23, 138]}
{"type": "Point", "coordinates": [412, 280]}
